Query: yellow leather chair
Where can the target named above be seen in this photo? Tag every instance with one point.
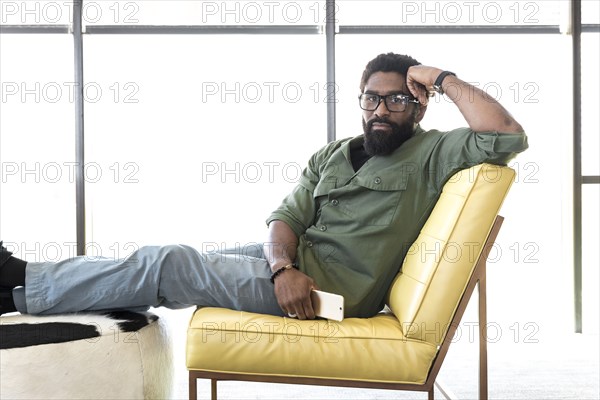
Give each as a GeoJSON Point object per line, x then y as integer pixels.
{"type": "Point", "coordinates": [401, 349]}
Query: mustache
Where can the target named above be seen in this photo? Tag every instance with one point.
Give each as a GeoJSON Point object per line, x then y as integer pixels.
{"type": "Point", "coordinates": [380, 120]}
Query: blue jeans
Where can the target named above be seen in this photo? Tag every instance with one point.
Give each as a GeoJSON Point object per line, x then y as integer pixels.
{"type": "Point", "coordinates": [173, 276]}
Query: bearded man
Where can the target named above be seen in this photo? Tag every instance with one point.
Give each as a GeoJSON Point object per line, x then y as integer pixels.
{"type": "Point", "coordinates": [345, 228]}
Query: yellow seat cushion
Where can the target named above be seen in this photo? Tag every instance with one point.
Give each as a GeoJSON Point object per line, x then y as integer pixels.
{"type": "Point", "coordinates": [369, 349]}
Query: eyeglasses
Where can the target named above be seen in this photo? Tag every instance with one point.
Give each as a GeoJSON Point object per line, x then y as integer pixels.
{"type": "Point", "coordinates": [393, 102]}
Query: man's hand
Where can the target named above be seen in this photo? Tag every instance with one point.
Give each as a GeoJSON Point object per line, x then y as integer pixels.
{"type": "Point", "coordinates": [292, 289]}
{"type": "Point", "coordinates": [420, 80]}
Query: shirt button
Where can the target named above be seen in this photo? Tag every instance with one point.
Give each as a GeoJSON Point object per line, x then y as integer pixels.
{"type": "Point", "coordinates": [335, 202]}
{"type": "Point", "coordinates": [309, 244]}
{"type": "Point", "coordinates": [323, 228]}
{"type": "Point", "coordinates": [378, 180]}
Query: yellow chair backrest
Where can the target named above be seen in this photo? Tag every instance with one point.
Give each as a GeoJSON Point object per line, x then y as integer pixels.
{"type": "Point", "coordinates": [438, 266]}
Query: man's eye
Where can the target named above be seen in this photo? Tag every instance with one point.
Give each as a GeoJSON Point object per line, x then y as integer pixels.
{"type": "Point", "coordinates": [397, 99]}
{"type": "Point", "coordinates": [371, 99]}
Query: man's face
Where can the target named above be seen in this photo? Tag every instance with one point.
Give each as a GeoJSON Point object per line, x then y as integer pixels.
{"type": "Point", "coordinates": [385, 131]}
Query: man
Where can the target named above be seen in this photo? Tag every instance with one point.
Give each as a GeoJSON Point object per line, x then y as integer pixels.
{"type": "Point", "coordinates": [344, 229]}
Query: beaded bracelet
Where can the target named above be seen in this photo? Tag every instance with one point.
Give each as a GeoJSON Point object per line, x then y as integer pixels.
{"type": "Point", "coordinates": [280, 270]}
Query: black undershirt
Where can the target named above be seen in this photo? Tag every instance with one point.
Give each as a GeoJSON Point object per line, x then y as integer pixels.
{"type": "Point", "coordinates": [359, 157]}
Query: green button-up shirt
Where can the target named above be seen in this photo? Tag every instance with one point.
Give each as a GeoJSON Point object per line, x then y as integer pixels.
{"type": "Point", "coordinates": [354, 228]}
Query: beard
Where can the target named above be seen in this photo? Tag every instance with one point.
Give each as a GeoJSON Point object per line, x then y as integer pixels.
{"type": "Point", "coordinates": [379, 143]}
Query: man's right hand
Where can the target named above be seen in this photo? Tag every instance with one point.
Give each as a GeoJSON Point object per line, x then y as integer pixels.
{"type": "Point", "coordinates": [292, 289]}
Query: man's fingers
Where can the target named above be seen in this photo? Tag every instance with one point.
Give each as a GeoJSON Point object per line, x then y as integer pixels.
{"type": "Point", "coordinates": [422, 94]}
{"type": "Point", "coordinates": [309, 312]}
{"type": "Point", "coordinates": [292, 290]}
{"type": "Point", "coordinates": [418, 91]}
{"type": "Point", "coordinates": [302, 309]}
{"type": "Point", "coordinates": [412, 88]}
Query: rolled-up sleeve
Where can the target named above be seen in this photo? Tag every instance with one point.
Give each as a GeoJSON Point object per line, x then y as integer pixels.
{"type": "Point", "coordinates": [298, 208]}
{"type": "Point", "coordinates": [507, 144]}
{"type": "Point", "coordinates": [478, 147]}
{"type": "Point", "coordinates": [501, 147]}
{"type": "Point", "coordinates": [463, 148]}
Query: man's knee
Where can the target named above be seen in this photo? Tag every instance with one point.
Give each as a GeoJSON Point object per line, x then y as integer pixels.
{"type": "Point", "coordinates": [177, 252]}
{"type": "Point", "coordinates": [172, 255]}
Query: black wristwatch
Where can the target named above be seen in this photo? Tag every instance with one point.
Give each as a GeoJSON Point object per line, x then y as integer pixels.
{"type": "Point", "coordinates": [437, 86]}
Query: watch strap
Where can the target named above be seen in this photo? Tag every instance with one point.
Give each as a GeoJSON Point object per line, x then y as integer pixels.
{"type": "Point", "coordinates": [437, 86]}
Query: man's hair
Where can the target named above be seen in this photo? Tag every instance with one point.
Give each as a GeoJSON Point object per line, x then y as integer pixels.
{"type": "Point", "coordinates": [389, 62]}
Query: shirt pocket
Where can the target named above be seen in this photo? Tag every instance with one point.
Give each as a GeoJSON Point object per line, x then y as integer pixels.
{"type": "Point", "coordinates": [373, 201]}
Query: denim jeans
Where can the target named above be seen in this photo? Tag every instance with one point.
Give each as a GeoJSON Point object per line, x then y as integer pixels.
{"type": "Point", "coordinates": [173, 276]}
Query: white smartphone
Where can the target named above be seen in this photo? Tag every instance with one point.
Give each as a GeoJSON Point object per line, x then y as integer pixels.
{"type": "Point", "coordinates": [327, 305]}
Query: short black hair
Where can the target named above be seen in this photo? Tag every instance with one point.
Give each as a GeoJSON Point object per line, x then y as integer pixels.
{"type": "Point", "coordinates": [390, 62]}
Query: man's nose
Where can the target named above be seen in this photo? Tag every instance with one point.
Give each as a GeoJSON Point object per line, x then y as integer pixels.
{"type": "Point", "coordinates": [382, 109]}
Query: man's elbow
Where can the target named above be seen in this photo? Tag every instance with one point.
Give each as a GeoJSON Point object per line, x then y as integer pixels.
{"type": "Point", "coordinates": [511, 126]}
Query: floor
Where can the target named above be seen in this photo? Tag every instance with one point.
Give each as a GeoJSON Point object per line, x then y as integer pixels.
{"type": "Point", "coordinates": [523, 363]}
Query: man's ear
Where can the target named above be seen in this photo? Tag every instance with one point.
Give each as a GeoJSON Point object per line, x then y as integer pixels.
{"type": "Point", "coordinates": [419, 112]}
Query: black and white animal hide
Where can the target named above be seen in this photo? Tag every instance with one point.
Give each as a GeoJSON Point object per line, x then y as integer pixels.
{"type": "Point", "coordinates": [25, 331]}
{"type": "Point", "coordinates": [117, 355]}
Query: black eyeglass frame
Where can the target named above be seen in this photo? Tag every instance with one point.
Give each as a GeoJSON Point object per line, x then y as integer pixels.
{"type": "Point", "coordinates": [380, 98]}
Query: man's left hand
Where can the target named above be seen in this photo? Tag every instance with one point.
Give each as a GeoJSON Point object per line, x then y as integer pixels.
{"type": "Point", "coordinates": [420, 80]}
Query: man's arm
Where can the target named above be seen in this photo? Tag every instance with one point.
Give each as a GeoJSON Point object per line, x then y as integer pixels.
{"type": "Point", "coordinates": [481, 111]}
{"type": "Point", "coordinates": [292, 287]}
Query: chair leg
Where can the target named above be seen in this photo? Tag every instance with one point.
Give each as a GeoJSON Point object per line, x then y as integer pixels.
{"type": "Point", "coordinates": [213, 389]}
{"type": "Point", "coordinates": [193, 388]}
{"type": "Point", "coordinates": [483, 373]}
{"type": "Point", "coordinates": [430, 393]}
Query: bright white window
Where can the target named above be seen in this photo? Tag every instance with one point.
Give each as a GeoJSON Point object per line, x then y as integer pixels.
{"type": "Point", "coordinates": [199, 137]}
{"type": "Point", "coordinates": [37, 146]}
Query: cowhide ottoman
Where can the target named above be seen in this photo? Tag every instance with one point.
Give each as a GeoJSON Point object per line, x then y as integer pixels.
{"type": "Point", "coordinates": [119, 355]}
